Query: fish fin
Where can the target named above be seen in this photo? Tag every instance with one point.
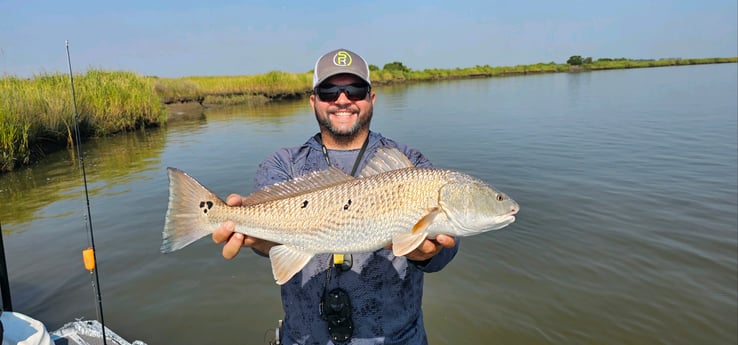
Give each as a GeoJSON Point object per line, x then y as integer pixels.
{"type": "Point", "coordinates": [286, 262]}
{"type": "Point", "coordinates": [299, 185]}
{"type": "Point", "coordinates": [187, 218]}
{"type": "Point", "coordinates": [404, 243]}
{"type": "Point", "coordinates": [385, 159]}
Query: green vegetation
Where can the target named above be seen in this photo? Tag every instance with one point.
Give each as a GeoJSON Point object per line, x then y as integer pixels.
{"type": "Point", "coordinates": [282, 85]}
{"type": "Point", "coordinates": [620, 63]}
{"type": "Point", "coordinates": [275, 85]}
{"type": "Point", "coordinates": [37, 113]}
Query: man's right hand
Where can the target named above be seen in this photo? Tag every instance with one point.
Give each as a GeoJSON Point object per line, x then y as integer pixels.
{"type": "Point", "coordinates": [234, 241]}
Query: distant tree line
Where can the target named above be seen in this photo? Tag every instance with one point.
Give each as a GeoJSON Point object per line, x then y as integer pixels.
{"type": "Point", "coordinates": [578, 60]}
{"type": "Point", "coordinates": [391, 66]}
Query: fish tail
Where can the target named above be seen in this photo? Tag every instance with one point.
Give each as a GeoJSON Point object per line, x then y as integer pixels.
{"type": "Point", "coordinates": [187, 214]}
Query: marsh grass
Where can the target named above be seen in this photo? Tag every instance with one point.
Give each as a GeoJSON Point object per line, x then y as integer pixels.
{"type": "Point", "coordinates": [283, 85]}
{"type": "Point", "coordinates": [273, 85]}
{"type": "Point", "coordinates": [626, 63]}
{"type": "Point", "coordinates": [38, 112]}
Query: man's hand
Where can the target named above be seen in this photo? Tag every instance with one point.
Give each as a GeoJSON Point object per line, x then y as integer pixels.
{"type": "Point", "coordinates": [430, 247]}
{"type": "Point", "coordinates": [235, 240]}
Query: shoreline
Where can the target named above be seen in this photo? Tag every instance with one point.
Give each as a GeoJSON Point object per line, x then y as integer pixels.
{"type": "Point", "coordinates": [216, 99]}
{"type": "Point", "coordinates": [186, 98]}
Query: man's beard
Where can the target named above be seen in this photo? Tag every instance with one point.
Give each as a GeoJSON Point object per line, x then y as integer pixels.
{"type": "Point", "coordinates": [363, 122]}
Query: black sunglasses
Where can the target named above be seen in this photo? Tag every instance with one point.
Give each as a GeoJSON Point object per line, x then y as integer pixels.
{"type": "Point", "coordinates": [354, 92]}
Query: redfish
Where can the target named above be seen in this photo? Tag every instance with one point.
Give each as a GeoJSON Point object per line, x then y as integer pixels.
{"type": "Point", "coordinates": [329, 211]}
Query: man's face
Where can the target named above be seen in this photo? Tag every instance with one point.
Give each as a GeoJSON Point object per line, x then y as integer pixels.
{"type": "Point", "coordinates": [343, 117]}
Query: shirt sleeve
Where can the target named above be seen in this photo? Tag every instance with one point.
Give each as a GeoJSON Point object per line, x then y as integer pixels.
{"type": "Point", "coordinates": [272, 170]}
{"type": "Point", "coordinates": [439, 261]}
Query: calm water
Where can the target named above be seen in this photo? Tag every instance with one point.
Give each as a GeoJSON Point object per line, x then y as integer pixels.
{"type": "Point", "coordinates": [628, 232]}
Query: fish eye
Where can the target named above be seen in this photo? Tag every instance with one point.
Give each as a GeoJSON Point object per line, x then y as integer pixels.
{"type": "Point", "coordinates": [500, 197]}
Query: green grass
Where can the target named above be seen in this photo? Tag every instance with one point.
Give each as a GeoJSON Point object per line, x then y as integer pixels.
{"type": "Point", "coordinates": [37, 113]}
{"type": "Point", "coordinates": [626, 63]}
{"type": "Point", "coordinates": [273, 85]}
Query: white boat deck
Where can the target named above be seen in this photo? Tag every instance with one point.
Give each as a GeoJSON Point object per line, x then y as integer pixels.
{"type": "Point", "coordinates": [87, 332]}
{"type": "Point", "coordinates": [20, 329]}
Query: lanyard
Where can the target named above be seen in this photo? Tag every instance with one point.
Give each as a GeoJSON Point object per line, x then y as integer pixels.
{"type": "Point", "coordinates": [358, 157]}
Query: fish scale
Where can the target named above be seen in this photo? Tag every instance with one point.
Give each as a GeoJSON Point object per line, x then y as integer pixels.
{"type": "Point", "coordinates": [379, 206]}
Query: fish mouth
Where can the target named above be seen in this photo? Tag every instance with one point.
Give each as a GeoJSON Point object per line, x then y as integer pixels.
{"type": "Point", "coordinates": [496, 223]}
{"type": "Point", "coordinates": [504, 220]}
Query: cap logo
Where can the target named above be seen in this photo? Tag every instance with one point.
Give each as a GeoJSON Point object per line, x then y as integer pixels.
{"type": "Point", "coordinates": [342, 58]}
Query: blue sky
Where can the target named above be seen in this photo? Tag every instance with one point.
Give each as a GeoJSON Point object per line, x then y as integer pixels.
{"type": "Point", "coordinates": [185, 38]}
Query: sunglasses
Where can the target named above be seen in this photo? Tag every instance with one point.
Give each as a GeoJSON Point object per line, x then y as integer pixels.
{"type": "Point", "coordinates": [354, 92]}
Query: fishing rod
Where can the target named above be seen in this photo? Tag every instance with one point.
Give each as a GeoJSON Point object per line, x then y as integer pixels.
{"type": "Point", "coordinates": [88, 255]}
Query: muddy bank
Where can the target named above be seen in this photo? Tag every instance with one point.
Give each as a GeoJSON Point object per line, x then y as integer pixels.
{"type": "Point", "coordinates": [184, 108]}
{"type": "Point", "coordinates": [190, 109]}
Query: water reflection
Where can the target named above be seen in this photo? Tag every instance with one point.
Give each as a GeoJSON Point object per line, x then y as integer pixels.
{"type": "Point", "coordinates": [109, 162]}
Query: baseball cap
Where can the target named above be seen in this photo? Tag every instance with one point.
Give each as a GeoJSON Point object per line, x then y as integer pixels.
{"type": "Point", "coordinates": [340, 61]}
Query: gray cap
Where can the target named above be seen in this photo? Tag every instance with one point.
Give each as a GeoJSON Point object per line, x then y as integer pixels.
{"type": "Point", "coordinates": [338, 62]}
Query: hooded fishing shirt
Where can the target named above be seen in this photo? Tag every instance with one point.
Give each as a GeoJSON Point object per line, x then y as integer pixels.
{"type": "Point", "coordinates": [385, 290]}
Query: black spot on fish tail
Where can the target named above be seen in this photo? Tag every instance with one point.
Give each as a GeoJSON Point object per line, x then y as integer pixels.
{"type": "Point", "coordinates": [304, 204]}
{"type": "Point", "coordinates": [346, 206]}
{"type": "Point", "coordinates": [205, 206]}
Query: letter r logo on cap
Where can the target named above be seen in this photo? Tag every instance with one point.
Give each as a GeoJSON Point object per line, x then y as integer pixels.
{"type": "Point", "coordinates": [342, 58]}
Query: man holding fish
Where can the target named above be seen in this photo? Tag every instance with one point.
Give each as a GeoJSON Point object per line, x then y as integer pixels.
{"type": "Point", "coordinates": [360, 218]}
{"type": "Point", "coordinates": [389, 310]}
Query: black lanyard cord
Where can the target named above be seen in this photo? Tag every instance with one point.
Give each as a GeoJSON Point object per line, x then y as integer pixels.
{"type": "Point", "coordinates": [358, 157]}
